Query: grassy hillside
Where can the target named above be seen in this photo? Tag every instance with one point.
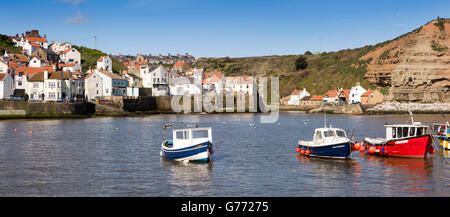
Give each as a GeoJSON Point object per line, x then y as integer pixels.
{"type": "Point", "coordinates": [6, 43]}
{"type": "Point", "coordinates": [90, 56]}
{"type": "Point", "coordinates": [324, 71]}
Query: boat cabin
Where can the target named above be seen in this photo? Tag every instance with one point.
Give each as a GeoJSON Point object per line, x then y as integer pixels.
{"type": "Point", "coordinates": [191, 136]}
{"type": "Point", "coordinates": [405, 130]}
{"type": "Point", "coordinates": [329, 133]}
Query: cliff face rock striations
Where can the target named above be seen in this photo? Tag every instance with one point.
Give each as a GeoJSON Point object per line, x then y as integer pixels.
{"type": "Point", "coordinates": [415, 66]}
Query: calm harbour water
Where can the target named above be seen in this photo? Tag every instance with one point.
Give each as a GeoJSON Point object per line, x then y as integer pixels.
{"type": "Point", "coordinates": [88, 157]}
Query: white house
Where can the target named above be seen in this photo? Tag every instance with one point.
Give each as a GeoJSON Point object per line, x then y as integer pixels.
{"type": "Point", "coordinates": [181, 86]}
{"type": "Point", "coordinates": [243, 84]}
{"type": "Point", "coordinates": [35, 62]}
{"type": "Point", "coordinates": [30, 47]}
{"type": "Point", "coordinates": [93, 86]}
{"type": "Point", "coordinates": [156, 78]}
{"type": "Point", "coordinates": [20, 76]}
{"type": "Point", "coordinates": [6, 86]}
{"type": "Point", "coordinates": [104, 83]}
{"type": "Point", "coordinates": [58, 47]}
{"type": "Point", "coordinates": [104, 63]}
{"type": "Point", "coordinates": [71, 55]}
{"type": "Point", "coordinates": [213, 84]}
{"type": "Point", "coordinates": [355, 94]}
{"type": "Point", "coordinates": [71, 67]}
{"type": "Point", "coordinates": [330, 96]}
{"type": "Point", "coordinates": [296, 96]}
{"type": "Point", "coordinates": [4, 67]}
{"type": "Point", "coordinates": [57, 86]}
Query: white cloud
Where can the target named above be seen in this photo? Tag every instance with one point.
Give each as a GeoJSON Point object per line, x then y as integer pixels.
{"type": "Point", "coordinates": [78, 19]}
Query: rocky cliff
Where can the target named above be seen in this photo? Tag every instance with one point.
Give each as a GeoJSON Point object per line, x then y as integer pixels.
{"type": "Point", "coordinates": [415, 66]}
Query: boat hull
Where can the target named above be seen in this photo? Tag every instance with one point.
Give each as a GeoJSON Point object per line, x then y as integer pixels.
{"type": "Point", "coordinates": [414, 147]}
{"type": "Point", "coordinates": [337, 151]}
{"type": "Point", "coordinates": [444, 141]}
{"type": "Point", "coordinates": [196, 153]}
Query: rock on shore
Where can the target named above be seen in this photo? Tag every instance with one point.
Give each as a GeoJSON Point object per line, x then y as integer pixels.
{"type": "Point", "coordinates": [395, 107]}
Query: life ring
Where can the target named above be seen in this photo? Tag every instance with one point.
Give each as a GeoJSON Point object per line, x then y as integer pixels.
{"type": "Point", "coordinates": [443, 131]}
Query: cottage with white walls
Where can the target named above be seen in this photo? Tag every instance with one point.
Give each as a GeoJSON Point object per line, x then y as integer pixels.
{"type": "Point", "coordinates": [296, 96]}
{"type": "Point", "coordinates": [101, 83]}
{"type": "Point", "coordinates": [157, 79]}
{"type": "Point", "coordinates": [58, 47]}
{"type": "Point", "coordinates": [93, 86]}
{"type": "Point", "coordinates": [242, 85]}
{"type": "Point", "coordinates": [181, 86]}
{"type": "Point", "coordinates": [355, 94]}
{"type": "Point", "coordinates": [71, 67]}
{"type": "Point", "coordinates": [35, 87]}
{"type": "Point", "coordinates": [20, 76]}
{"type": "Point", "coordinates": [4, 67]}
{"type": "Point", "coordinates": [6, 86]}
{"type": "Point", "coordinates": [57, 86]}
{"type": "Point", "coordinates": [104, 63]}
{"type": "Point", "coordinates": [71, 55]}
{"type": "Point", "coordinates": [35, 62]}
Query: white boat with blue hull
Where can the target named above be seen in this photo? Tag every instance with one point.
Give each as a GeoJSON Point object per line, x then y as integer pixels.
{"type": "Point", "coordinates": [188, 145]}
{"type": "Point", "coordinates": [327, 143]}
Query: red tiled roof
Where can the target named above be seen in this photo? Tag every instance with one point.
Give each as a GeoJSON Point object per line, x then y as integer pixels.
{"type": "Point", "coordinates": [346, 92]}
{"type": "Point", "coordinates": [179, 64]}
{"type": "Point", "coordinates": [316, 98]}
{"type": "Point", "coordinates": [35, 39]}
{"type": "Point", "coordinates": [33, 70]}
{"type": "Point", "coordinates": [331, 93]}
{"type": "Point", "coordinates": [367, 93]}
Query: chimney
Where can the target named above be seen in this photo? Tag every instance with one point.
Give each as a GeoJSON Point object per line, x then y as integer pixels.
{"type": "Point", "coordinates": [45, 75]}
{"type": "Point", "coordinates": [45, 36]}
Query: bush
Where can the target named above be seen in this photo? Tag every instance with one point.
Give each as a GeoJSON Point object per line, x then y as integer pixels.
{"type": "Point", "coordinates": [308, 53]}
{"type": "Point", "coordinates": [301, 63]}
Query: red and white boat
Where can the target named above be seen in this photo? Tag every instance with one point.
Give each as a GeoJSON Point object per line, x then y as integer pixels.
{"type": "Point", "coordinates": [402, 140]}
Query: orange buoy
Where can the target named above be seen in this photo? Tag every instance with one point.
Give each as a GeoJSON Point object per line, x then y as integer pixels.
{"type": "Point", "coordinates": [302, 151]}
{"type": "Point", "coordinates": [117, 129]}
{"type": "Point", "coordinates": [129, 131]}
{"type": "Point", "coordinates": [357, 146]}
{"type": "Point", "coordinates": [362, 149]}
{"type": "Point", "coordinates": [307, 152]}
{"type": "Point", "coordinates": [431, 150]}
{"type": "Point", "coordinates": [15, 130]}
{"type": "Point", "coordinates": [371, 150]}
{"type": "Point", "coordinates": [31, 131]}
{"type": "Point", "coordinates": [297, 149]}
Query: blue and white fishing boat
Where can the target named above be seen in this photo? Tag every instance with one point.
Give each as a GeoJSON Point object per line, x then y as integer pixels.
{"type": "Point", "coordinates": [328, 142]}
{"type": "Point", "coordinates": [189, 144]}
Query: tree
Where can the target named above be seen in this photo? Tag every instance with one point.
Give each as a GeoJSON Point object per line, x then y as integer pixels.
{"type": "Point", "coordinates": [301, 63]}
{"type": "Point", "coordinates": [308, 53]}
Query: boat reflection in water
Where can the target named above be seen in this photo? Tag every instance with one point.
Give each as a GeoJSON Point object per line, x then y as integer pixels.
{"type": "Point", "coordinates": [188, 179]}
{"type": "Point", "coordinates": [401, 174]}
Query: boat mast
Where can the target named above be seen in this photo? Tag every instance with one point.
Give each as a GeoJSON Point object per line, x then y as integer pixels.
{"type": "Point", "coordinates": [324, 115]}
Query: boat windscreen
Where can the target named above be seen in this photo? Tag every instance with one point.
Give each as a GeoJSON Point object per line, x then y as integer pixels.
{"type": "Point", "coordinates": [328, 133]}
{"type": "Point", "coordinates": [197, 134]}
{"type": "Point", "coordinates": [340, 133]}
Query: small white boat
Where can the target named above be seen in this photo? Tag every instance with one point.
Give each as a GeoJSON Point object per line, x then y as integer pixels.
{"type": "Point", "coordinates": [328, 142]}
{"type": "Point", "coordinates": [189, 144]}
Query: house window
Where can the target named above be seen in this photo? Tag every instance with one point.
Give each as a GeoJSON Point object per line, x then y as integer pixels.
{"type": "Point", "coordinates": [51, 85]}
{"type": "Point", "coordinates": [51, 95]}
{"type": "Point", "coordinates": [20, 83]}
{"type": "Point", "coordinates": [96, 85]}
{"type": "Point", "coordinates": [35, 85]}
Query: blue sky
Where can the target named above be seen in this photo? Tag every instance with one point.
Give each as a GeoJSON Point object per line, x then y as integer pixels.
{"type": "Point", "coordinates": [218, 28]}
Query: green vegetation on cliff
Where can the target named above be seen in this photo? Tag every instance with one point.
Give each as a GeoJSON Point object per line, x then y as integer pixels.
{"type": "Point", "coordinates": [7, 44]}
{"type": "Point", "coordinates": [90, 56]}
{"type": "Point", "coordinates": [324, 71]}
